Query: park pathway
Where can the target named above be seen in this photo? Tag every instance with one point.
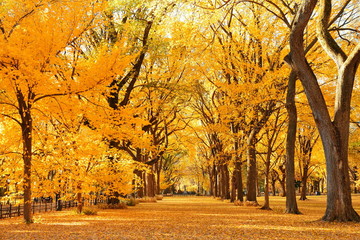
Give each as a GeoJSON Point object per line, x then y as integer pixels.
{"type": "Point", "coordinates": [178, 218]}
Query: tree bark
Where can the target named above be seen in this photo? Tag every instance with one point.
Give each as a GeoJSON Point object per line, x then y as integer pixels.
{"type": "Point", "coordinates": [291, 204]}
{"type": "Point", "coordinates": [27, 157]}
{"type": "Point", "coordinates": [251, 189]}
{"type": "Point", "coordinates": [239, 182]}
{"type": "Point", "coordinates": [27, 128]}
{"type": "Point", "coordinates": [266, 205]}
{"type": "Point", "coordinates": [304, 184]}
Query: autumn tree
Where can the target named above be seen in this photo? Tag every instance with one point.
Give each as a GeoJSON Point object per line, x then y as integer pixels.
{"type": "Point", "coordinates": [334, 131]}
{"type": "Point", "coordinates": [307, 138]}
{"type": "Point", "coordinates": [240, 66]}
{"type": "Point", "coordinates": [272, 146]}
{"type": "Point", "coordinates": [40, 61]}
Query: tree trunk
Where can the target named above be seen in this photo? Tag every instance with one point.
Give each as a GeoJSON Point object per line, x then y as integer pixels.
{"type": "Point", "coordinates": [233, 187]}
{"type": "Point", "coordinates": [158, 166]}
{"type": "Point", "coordinates": [26, 127]}
{"type": "Point", "coordinates": [251, 188]}
{"type": "Point", "coordinates": [27, 149]}
{"type": "Point", "coordinates": [226, 182]}
{"type": "Point", "coordinates": [58, 202]}
{"type": "Point", "coordinates": [291, 204]}
{"type": "Point", "coordinates": [266, 205]}
{"type": "Point", "coordinates": [215, 181]}
{"type": "Point", "coordinates": [79, 200]}
{"type": "Point", "coordinates": [304, 184]}
{"type": "Point", "coordinates": [273, 185]}
{"type": "Point", "coordinates": [150, 184]}
{"type": "Point", "coordinates": [211, 181]}
{"type": "Point", "coordinates": [239, 182]}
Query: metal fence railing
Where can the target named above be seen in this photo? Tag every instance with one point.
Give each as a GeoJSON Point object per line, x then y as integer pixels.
{"type": "Point", "coordinates": [14, 210]}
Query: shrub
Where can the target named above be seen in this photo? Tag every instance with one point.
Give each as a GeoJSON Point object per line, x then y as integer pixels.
{"type": "Point", "coordinates": [159, 197]}
{"type": "Point", "coordinates": [89, 211]}
{"type": "Point", "coordinates": [251, 203]}
{"type": "Point", "coordinates": [238, 203]}
{"type": "Point", "coordinates": [131, 202]}
{"type": "Point", "coordinates": [121, 205]}
{"type": "Point", "coordinates": [147, 199]}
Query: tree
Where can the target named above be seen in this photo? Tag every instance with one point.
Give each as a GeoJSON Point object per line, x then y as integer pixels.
{"type": "Point", "coordinates": [334, 132]}
{"type": "Point", "coordinates": [39, 60]}
{"type": "Point", "coordinates": [307, 138]}
{"type": "Point", "coordinates": [272, 145]}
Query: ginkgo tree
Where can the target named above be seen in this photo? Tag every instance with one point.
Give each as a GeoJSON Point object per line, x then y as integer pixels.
{"type": "Point", "coordinates": [334, 131]}
{"type": "Point", "coordinates": [40, 60]}
{"type": "Point", "coordinates": [249, 77]}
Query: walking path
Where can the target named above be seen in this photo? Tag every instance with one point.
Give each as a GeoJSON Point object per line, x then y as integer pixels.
{"type": "Point", "coordinates": [183, 218]}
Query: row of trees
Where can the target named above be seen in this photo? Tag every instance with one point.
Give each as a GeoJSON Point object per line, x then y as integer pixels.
{"type": "Point", "coordinates": [105, 97]}
{"type": "Point", "coordinates": [242, 101]}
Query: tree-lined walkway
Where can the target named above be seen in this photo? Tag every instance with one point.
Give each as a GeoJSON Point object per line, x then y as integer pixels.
{"type": "Point", "coordinates": [186, 218]}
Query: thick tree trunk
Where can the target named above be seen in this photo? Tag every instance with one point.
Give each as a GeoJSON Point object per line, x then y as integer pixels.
{"type": "Point", "coordinates": [251, 188]}
{"type": "Point", "coordinates": [26, 127]}
{"type": "Point", "coordinates": [226, 182]}
{"type": "Point", "coordinates": [291, 204]}
{"type": "Point", "coordinates": [339, 203]}
{"type": "Point", "coordinates": [150, 177]}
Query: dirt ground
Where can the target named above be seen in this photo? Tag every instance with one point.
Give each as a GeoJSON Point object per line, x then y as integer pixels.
{"type": "Point", "coordinates": [187, 218]}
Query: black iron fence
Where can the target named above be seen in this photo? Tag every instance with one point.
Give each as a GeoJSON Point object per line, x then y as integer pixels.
{"type": "Point", "coordinates": [15, 210]}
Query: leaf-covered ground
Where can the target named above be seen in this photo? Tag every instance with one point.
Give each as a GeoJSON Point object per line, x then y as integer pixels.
{"type": "Point", "coordinates": [187, 218]}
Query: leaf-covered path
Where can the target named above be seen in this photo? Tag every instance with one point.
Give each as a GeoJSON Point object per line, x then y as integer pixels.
{"type": "Point", "coordinates": [186, 218]}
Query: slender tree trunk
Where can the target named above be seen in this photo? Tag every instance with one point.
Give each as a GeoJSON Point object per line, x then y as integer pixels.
{"type": "Point", "coordinates": [158, 177]}
{"type": "Point", "coordinates": [211, 180]}
{"type": "Point", "coordinates": [27, 156]}
{"type": "Point", "coordinates": [79, 200]}
{"type": "Point", "coordinates": [215, 181]}
{"type": "Point", "coordinates": [304, 183]}
{"type": "Point", "coordinates": [239, 182]}
{"type": "Point", "coordinates": [273, 185]}
{"type": "Point", "coordinates": [251, 186]}
{"type": "Point", "coordinates": [291, 204]}
{"type": "Point", "coordinates": [266, 205]}
{"type": "Point", "coordinates": [233, 187]}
